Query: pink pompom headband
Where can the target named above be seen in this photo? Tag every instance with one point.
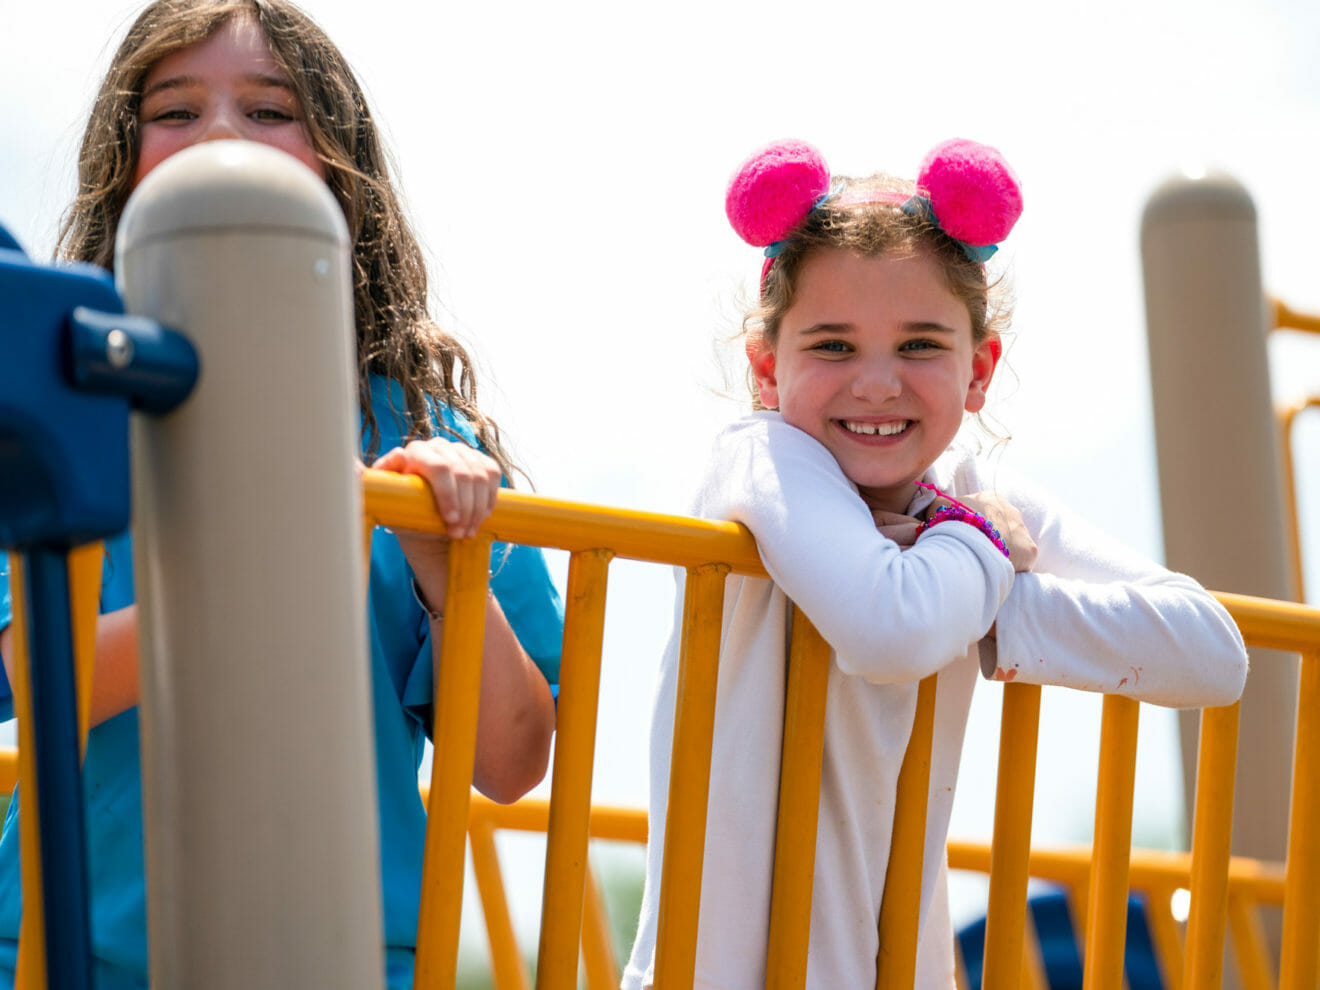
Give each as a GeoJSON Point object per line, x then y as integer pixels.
{"type": "Point", "coordinates": [966, 189]}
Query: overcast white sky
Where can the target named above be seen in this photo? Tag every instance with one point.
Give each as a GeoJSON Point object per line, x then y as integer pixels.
{"type": "Point", "coordinates": [565, 164]}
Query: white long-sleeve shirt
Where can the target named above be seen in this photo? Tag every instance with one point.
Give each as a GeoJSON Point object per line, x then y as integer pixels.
{"type": "Point", "coordinates": [1092, 615]}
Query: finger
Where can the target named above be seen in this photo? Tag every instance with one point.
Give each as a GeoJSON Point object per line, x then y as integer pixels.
{"type": "Point", "coordinates": [390, 460]}
{"type": "Point", "coordinates": [883, 518]}
{"type": "Point", "coordinates": [904, 534]}
{"type": "Point", "coordinates": [473, 478]}
{"type": "Point", "coordinates": [445, 494]}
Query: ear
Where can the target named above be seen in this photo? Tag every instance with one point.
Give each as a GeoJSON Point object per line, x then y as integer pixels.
{"type": "Point", "coordinates": [985, 358]}
{"type": "Point", "coordinates": [762, 360]}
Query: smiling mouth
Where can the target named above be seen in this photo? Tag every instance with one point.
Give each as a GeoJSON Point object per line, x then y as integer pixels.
{"type": "Point", "coordinates": [876, 429]}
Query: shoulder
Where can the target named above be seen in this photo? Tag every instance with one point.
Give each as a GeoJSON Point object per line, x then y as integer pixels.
{"type": "Point", "coordinates": [760, 468]}
{"type": "Point", "coordinates": [961, 471]}
{"type": "Point", "coordinates": [763, 438]}
{"type": "Point", "coordinates": [394, 423]}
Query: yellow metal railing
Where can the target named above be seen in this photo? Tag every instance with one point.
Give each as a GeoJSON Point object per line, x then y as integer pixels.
{"type": "Point", "coordinates": [1222, 890]}
{"type": "Point", "coordinates": [1282, 317]}
{"type": "Point", "coordinates": [709, 551]}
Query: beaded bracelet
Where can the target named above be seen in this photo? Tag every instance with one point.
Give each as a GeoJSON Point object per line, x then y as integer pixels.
{"type": "Point", "coordinates": [958, 512]}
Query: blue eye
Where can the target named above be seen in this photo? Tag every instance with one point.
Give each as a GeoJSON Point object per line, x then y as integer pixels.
{"type": "Point", "coordinates": [833, 346]}
{"type": "Point", "coordinates": [921, 344]}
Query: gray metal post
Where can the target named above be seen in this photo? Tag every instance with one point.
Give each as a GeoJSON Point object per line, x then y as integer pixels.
{"type": "Point", "coordinates": [258, 770]}
{"type": "Point", "coordinates": [1219, 469]}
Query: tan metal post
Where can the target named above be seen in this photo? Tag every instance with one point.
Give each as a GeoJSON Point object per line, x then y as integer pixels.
{"type": "Point", "coordinates": [1219, 466]}
{"type": "Point", "coordinates": [258, 769]}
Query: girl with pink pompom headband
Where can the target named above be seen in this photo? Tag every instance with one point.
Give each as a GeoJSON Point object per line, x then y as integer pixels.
{"type": "Point", "coordinates": [875, 335]}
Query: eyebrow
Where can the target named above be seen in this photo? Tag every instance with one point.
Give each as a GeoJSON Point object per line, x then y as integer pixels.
{"type": "Point", "coordinates": [916, 327]}
{"type": "Point", "coordinates": [262, 79]}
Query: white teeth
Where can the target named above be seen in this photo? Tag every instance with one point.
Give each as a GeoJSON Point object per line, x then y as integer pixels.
{"type": "Point", "coordinates": [876, 429]}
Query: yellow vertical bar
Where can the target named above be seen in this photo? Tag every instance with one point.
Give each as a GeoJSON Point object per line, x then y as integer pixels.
{"type": "Point", "coordinates": [1212, 836]}
{"type": "Point", "coordinates": [799, 806]}
{"type": "Point", "coordinates": [8, 769]}
{"type": "Point", "coordinates": [1299, 964]}
{"type": "Point", "coordinates": [1250, 945]}
{"type": "Point", "coordinates": [570, 795]}
{"type": "Point", "coordinates": [1033, 964]}
{"type": "Point", "coordinates": [1006, 910]}
{"type": "Point", "coordinates": [602, 969]}
{"type": "Point", "coordinates": [1164, 936]}
{"type": "Point", "coordinates": [1079, 903]}
{"type": "Point", "coordinates": [896, 961]}
{"type": "Point", "coordinates": [1106, 927]}
{"type": "Point", "coordinates": [84, 599]}
{"type": "Point", "coordinates": [505, 965]}
{"type": "Point", "coordinates": [368, 528]}
{"type": "Point", "coordinates": [1288, 481]}
{"type": "Point", "coordinates": [457, 692]}
{"type": "Point", "coordinates": [960, 977]}
{"type": "Point", "coordinates": [689, 777]}
{"type": "Point", "coordinates": [31, 968]}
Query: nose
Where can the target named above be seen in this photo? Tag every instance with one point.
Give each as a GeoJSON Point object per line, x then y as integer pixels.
{"type": "Point", "coordinates": [877, 379]}
{"type": "Point", "coordinates": [221, 125]}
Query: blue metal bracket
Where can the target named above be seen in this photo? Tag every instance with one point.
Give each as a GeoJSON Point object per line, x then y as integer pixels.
{"type": "Point", "coordinates": [71, 367]}
{"type": "Point", "coordinates": [153, 367]}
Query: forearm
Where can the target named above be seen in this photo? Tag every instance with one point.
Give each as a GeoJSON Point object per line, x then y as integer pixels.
{"type": "Point", "coordinates": [515, 714]}
{"type": "Point", "coordinates": [115, 682]}
{"type": "Point", "coordinates": [1162, 641]}
{"type": "Point", "coordinates": [515, 717]}
{"type": "Point", "coordinates": [892, 615]}
{"type": "Point", "coordinates": [7, 653]}
{"type": "Point", "coordinates": [1097, 615]}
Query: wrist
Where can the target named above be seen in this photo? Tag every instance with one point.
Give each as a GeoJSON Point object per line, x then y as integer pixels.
{"type": "Point", "coordinates": [434, 614]}
{"type": "Point", "coordinates": [963, 514]}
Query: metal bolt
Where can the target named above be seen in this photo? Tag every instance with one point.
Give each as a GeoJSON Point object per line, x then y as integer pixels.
{"type": "Point", "coordinates": [118, 349]}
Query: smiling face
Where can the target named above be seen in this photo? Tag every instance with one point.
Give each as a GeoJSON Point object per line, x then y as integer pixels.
{"type": "Point", "coordinates": [228, 86]}
{"type": "Point", "coordinates": [875, 360]}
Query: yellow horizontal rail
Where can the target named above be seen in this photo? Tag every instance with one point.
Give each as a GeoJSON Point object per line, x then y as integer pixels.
{"type": "Point", "coordinates": [1148, 869]}
{"type": "Point", "coordinates": [1273, 624]}
{"type": "Point", "coordinates": [519, 517]}
{"type": "Point", "coordinates": [533, 815]}
{"type": "Point", "coordinates": [404, 502]}
{"type": "Point", "coordinates": [1285, 317]}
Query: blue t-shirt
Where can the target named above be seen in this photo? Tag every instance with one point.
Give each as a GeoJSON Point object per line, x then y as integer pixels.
{"type": "Point", "coordinates": [402, 688]}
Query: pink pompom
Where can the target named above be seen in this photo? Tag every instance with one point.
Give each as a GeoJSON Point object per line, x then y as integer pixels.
{"type": "Point", "coordinates": [973, 192]}
{"type": "Point", "coordinates": [774, 190]}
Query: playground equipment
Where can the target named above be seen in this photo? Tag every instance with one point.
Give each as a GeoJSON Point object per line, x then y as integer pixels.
{"type": "Point", "coordinates": [248, 251]}
{"type": "Point", "coordinates": [1218, 450]}
{"type": "Point", "coordinates": [70, 374]}
{"type": "Point", "coordinates": [278, 248]}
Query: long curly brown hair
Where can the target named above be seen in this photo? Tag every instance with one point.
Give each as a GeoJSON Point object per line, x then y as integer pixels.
{"type": "Point", "coordinates": [396, 336]}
